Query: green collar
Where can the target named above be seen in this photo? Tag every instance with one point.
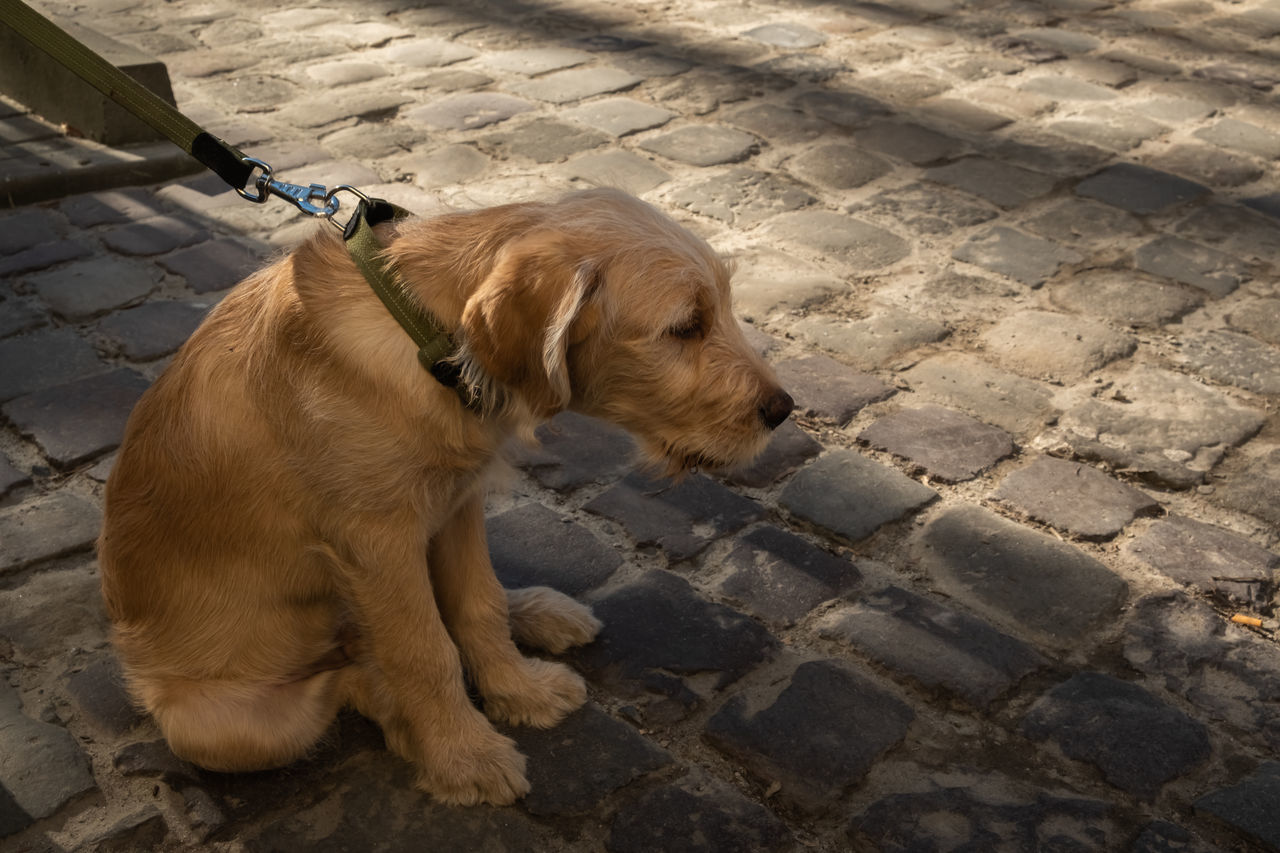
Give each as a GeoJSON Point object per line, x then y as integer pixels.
{"type": "Point", "coordinates": [435, 345]}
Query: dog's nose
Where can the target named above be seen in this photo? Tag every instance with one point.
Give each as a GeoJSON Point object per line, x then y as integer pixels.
{"type": "Point", "coordinates": [775, 409]}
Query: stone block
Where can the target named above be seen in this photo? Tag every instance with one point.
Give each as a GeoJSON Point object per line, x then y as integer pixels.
{"type": "Point", "coordinates": [1074, 497]}
{"type": "Point", "coordinates": [81, 419]}
{"type": "Point", "coordinates": [1030, 260]}
{"type": "Point", "coordinates": [542, 140]}
{"type": "Point", "coordinates": [967, 383]}
{"type": "Point", "coordinates": [787, 34]}
{"type": "Point", "coordinates": [452, 164]}
{"type": "Point", "coordinates": [152, 330]}
{"type": "Point", "coordinates": [935, 646]}
{"type": "Point", "coordinates": [44, 358]}
{"type": "Point", "coordinates": [1047, 345]}
{"type": "Point", "coordinates": [780, 577]}
{"type": "Point", "coordinates": [1209, 558]}
{"type": "Point", "coordinates": [46, 526]}
{"type": "Point", "coordinates": [575, 765]}
{"type": "Point", "coordinates": [780, 125]}
{"type": "Point", "coordinates": [622, 169]}
{"type": "Point", "coordinates": [703, 145]}
{"type": "Point", "coordinates": [911, 142]}
{"type": "Point", "coordinates": [42, 768]}
{"type": "Point", "coordinates": [828, 389]}
{"type": "Point", "coordinates": [619, 116]}
{"type": "Point", "coordinates": [153, 236]}
{"type": "Point", "coordinates": [1242, 136]}
{"type": "Point", "coordinates": [109, 207]}
{"type": "Point", "coordinates": [789, 447]}
{"type": "Point", "coordinates": [213, 265]}
{"type": "Point", "coordinates": [768, 281]}
{"type": "Point", "coordinates": [817, 737]}
{"type": "Point", "coordinates": [87, 288]}
{"type": "Point", "coordinates": [574, 450]}
{"type": "Point", "coordinates": [851, 241]}
{"type": "Point", "coordinates": [1124, 297]}
{"type": "Point", "coordinates": [536, 60]}
{"type": "Point", "coordinates": [742, 197]}
{"type": "Point", "coordinates": [535, 546]}
{"type": "Point", "coordinates": [1013, 574]}
{"type": "Point", "coordinates": [838, 166]}
{"type": "Point", "coordinates": [1252, 485]}
{"type": "Point", "coordinates": [845, 109]}
{"type": "Point", "coordinates": [927, 208]}
{"type": "Point", "coordinates": [998, 182]}
{"type": "Point", "coordinates": [658, 624]}
{"type": "Point", "coordinates": [1138, 741]}
{"type": "Point", "coordinates": [1213, 271]}
{"type": "Point", "coordinates": [44, 255]}
{"type": "Point", "coordinates": [1233, 359]}
{"type": "Point", "coordinates": [468, 111]}
{"type": "Point", "coordinates": [696, 818]}
{"type": "Point", "coordinates": [1247, 806]}
{"type": "Point", "coordinates": [574, 84]}
{"type": "Point", "coordinates": [680, 518]}
{"type": "Point", "coordinates": [1139, 189]}
{"type": "Point", "coordinates": [852, 496]}
{"type": "Point", "coordinates": [945, 444]}
{"type": "Point", "coordinates": [97, 689]}
{"type": "Point", "coordinates": [875, 340]}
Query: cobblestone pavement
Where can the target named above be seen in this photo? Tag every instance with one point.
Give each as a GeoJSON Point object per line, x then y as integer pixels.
{"type": "Point", "coordinates": [1016, 260]}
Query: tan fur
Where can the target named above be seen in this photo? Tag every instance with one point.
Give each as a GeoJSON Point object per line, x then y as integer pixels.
{"type": "Point", "coordinates": [295, 520]}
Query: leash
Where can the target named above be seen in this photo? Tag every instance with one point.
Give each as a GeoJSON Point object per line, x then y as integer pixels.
{"type": "Point", "coordinates": [236, 168]}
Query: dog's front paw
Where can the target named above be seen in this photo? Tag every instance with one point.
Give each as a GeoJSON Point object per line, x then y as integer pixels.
{"type": "Point", "coordinates": [468, 772]}
{"type": "Point", "coordinates": [543, 618]}
{"type": "Point", "coordinates": [543, 694]}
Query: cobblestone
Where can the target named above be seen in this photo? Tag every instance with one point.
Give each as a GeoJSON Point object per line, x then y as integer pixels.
{"type": "Point", "coordinates": [1037, 243]}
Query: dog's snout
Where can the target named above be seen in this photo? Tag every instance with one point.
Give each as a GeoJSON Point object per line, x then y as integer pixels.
{"type": "Point", "coordinates": [775, 408]}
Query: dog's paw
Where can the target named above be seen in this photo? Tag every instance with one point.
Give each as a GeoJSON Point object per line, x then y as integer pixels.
{"type": "Point", "coordinates": [475, 770]}
{"type": "Point", "coordinates": [543, 694]}
{"type": "Point", "coordinates": [542, 618]}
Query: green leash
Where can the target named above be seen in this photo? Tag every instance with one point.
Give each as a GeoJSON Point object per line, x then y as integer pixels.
{"type": "Point", "coordinates": [235, 168]}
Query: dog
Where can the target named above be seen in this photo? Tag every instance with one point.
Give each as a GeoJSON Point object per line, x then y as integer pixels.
{"type": "Point", "coordinates": [295, 520]}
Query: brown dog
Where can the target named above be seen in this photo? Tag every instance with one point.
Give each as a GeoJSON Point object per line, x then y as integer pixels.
{"type": "Point", "coordinates": [295, 522]}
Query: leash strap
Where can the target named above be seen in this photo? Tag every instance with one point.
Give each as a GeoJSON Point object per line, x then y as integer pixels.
{"type": "Point", "coordinates": [223, 159]}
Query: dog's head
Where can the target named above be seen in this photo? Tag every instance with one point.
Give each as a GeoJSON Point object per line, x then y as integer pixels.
{"type": "Point", "coordinates": [610, 308]}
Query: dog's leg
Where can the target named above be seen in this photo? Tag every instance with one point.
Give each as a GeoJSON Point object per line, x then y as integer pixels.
{"type": "Point", "coordinates": [516, 689]}
{"type": "Point", "coordinates": [409, 677]}
{"type": "Point", "coordinates": [543, 618]}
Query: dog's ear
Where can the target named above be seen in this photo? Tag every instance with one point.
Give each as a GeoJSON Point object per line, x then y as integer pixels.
{"type": "Point", "coordinates": [522, 319]}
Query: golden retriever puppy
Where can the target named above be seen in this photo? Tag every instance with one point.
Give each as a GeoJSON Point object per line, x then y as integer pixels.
{"type": "Point", "coordinates": [295, 521]}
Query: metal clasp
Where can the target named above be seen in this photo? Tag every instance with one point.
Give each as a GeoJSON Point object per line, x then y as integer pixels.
{"type": "Point", "coordinates": [303, 198]}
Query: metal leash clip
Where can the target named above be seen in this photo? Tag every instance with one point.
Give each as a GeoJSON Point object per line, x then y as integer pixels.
{"type": "Point", "coordinates": [303, 198]}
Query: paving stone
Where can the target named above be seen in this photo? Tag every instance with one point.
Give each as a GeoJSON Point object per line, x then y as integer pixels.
{"type": "Point", "coordinates": [825, 388]}
{"type": "Point", "coordinates": [1207, 557]}
{"type": "Point", "coordinates": [903, 87]}
{"type": "Point", "coordinates": [1247, 806]}
{"type": "Point", "coordinates": [1124, 297]}
{"type": "Point", "coordinates": [254, 93]}
{"type": "Point", "coordinates": [1214, 272]}
{"type": "Point", "coordinates": [1216, 168]}
{"type": "Point", "coordinates": [1252, 485]}
{"type": "Point", "coordinates": [42, 359]}
{"type": "Point", "coordinates": [587, 756]}
{"type": "Point", "coordinates": [154, 760]}
{"type": "Point", "coordinates": [1030, 260]}
{"type": "Point", "coordinates": [1259, 317]}
{"type": "Point", "coordinates": [84, 289]}
{"type": "Point", "coordinates": [468, 111]}
{"type": "Point", "coordinates": [998, 182]}
{"type": "Point", "coordinates": [659, 623]}
{"type": "Point", "coordinates": [1241, 136]}
{"type": "Point", "coordinates": [20, 315]}
{"type": "Point", "coordinates": [946, 445]}
{"type": "Point", "coordinates": [817, 737]}
{"type": "Point", "coordinates": [41, 766]}
{"type": "Point", "coordinates": [1163, 837]}
{"type": "Point", "coordinates": [1074, 497]}
{"type": "Point", "coordinates": [780, 577]}
{"type": "Point", "coordinates": [421, 53]}
{"type": "Point", "coordinates": [56, 609]}
{"type": "Point", "coordinates": [679, 518]}
{"type": "Point", "coordinates": [787, 35]}
{"type": "Point", "coordinates": [622, 169]}
{"type": "Point", "coordinates": [78, 420]}
{"type": "Point", "coordinates": [10, 476]}
{"type": "Point", "coordinates": [703, 145]}
{"type": "Point", "coordinates": [574, 84]}
{"type": "Point", "coordinates": [965, 115]}
{"type": "Point", "coordinates": [789, 447]}
{"type": "Point", "coordinates": [33, 227]}
{"type": "Point", "coordinates": [705, 88]}
{"type": "Point", "coordinates": [1076, 221]}
{"type": "Point", "coordinates": [1162, 427]}
{"type": "Point", "coordinates": [358, 103]}
{"type": "Point", "coordinates": [452, 164]}
{"type": "Point", "coordinates": [842, 238]}
{"type": "Point", "coordinates": [1068, 89]}
{"type": "Point", "coordinates": [1139, 189]}
{"type": "Point", "coordinates": [1138, 741]}
{"type": "Point", "coordinates": [109, 207]}
{"type": "Point", "coordinates": [372, 141]}
{"type": "Point", "coordinates": [153, 236]}
{"type": "Point", "coordinates": [1234, 359]}
{"type": "Point", "coordinates": [97, 689]}
{"type": "Point", "coordinates": [1229, 673]}
{"type": "Point", "coordinates": [778, 124]}
{"type": "Point", "coordinates": [536, 60]}
{"type": "Point", "coordinates": [874, 340]}
{"type": "Point", "coordinates": [846, 109]}
{"type": "Point", "coordinates": [535, 546]}
{"type": "Point", "coordinates": [696, 817]}
{"type": "Point", "coordinates": [927, 208]}
{"type": "Point", "coordinates": [852, 496]}
{"type": "Point", "coordinates": [768, 281]}
{"type": "Point", "coordinates": [574, 450]}
{"type": "Point", "coordinates": [43, 256]}
{"type": "Point", "coordinates": [153, 329]}
{"type": "Point", "coordinates": [345, 72]}
{"type": "Point", "coordinates": [213, 265]}
{"type": "Point", "coordinates": [1043, 344]}
{"type": "Point", "coordinates": [1238, 75]}
{"type": "Point", "coordinates": [965, 382]}
{"type": "Point", "coordinates": [910, 142]}
{"type": "Point", "coordinates": [935, 646]}
{"type": "Point", "coordinates": [838, 166]}
{"type": "Point", "coordinates": [742, 196]}
{"type": "Point", "coordinates": [619, 116]}
{"type": "Point", "coordinates": [543, 140]}
{"type": "Point", "coordinates": [46, 526]}
{"type": "Point", "coordinates": [986, 811]}
{"type": "Point", "coordinates": [1049, 153]}
{"type": "Point", "coordinates": [1009, 572]}
{"type": "Point", "coordinates": [801, 67]}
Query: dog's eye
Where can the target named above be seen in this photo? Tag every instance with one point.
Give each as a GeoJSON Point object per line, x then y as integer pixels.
{"type": "Point", "coordinates": [689, 330]}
